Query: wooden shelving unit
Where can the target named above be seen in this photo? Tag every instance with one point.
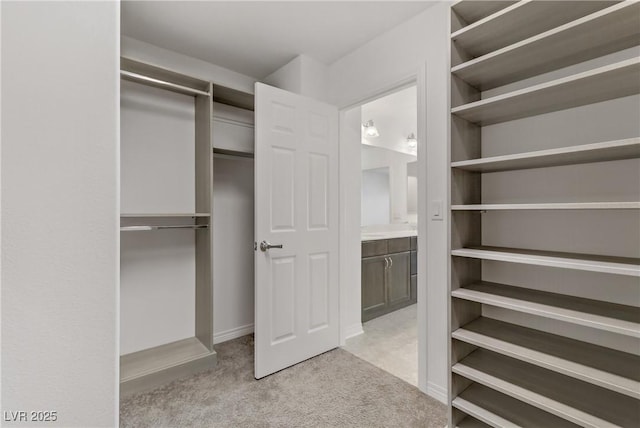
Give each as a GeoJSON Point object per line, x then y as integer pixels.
{"type": "Point", "coordinates": [573, 400]}
{"type": "Point", "coordinates": [587, 153]}
{"type": "Point", "coordinates": [601, 84]}
{"type": "Point", "coordinates": [153, 367]}
{"type": "Point", "coordinates": [596, 314]}
{"type": "Point", "coordinates": [611, 369]}
{"type": "Point", "coordinates": [566, 45]}
{"type": "Point", "coordinates": [470, 422]}
{"type": "Point", "coordinates": [521, 355]}
{"type": "Point", "coordinates": [163, 215]}
{"type": "Point", "coordinates": [470, 12]}
{"type": "Point", "coordinates": [550, 206]}
{"type": "Point", "coordinates": [499, 410]}
{"type": "Point", "coordinates": [587, 262]}
{"type": "Point", "coordinates": [519, 21]}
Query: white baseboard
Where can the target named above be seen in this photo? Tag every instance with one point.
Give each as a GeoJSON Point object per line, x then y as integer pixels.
{"type": "Point", "coordinates": [437, 392]}
{"type": "Point", "coordinates": [353, 331]}
{"type": "Point", "coordinates": [233, 333]}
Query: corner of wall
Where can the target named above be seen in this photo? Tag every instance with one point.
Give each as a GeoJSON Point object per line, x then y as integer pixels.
{"type": "Point", "coordinates": [287, 77]}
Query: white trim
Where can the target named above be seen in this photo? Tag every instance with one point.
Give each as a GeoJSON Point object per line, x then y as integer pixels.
{"type": "Point", "coordinates": [417, 78]}
{"type": "Point", "coordinates": [437, 392]}
{"type": "Point", "coordinates": [233, 333]}
{"type": "Point", "coordinates": [388, 89]}
{"type": "Point", "coordinates": [422, 283]}
{"type": "Point", "coordinates": [353, 331]}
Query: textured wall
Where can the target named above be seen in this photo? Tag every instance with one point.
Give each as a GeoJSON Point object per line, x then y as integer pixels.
{"type": "Point", "coordinates": [60, 211]}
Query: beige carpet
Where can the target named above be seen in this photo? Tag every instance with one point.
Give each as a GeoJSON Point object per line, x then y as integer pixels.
{"type": "Point", "coordinates": [335, 389]}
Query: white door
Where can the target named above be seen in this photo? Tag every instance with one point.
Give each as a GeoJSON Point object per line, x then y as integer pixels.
{"type": "Point", "coordinates": [296, 206]}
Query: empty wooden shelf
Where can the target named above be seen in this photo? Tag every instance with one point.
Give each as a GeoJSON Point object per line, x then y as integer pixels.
{"type": "Point", "coordinates": [607, 368]}
{"type": "Point", "coordinates": [499, 410]}
{"type": "Point", "coordinates": [595, 314]}
{"type": "Point", "coordinates": [600, 84]}
{"type": "Point", "coordinates": [152, 367]}
{"type": "Point", "coordinates": [586, 153]}
{"type": "Point", "coordinates": [550, 206]}
{"type": "Point", "coordinates": [601, 33]}
{"type": "Point", "coordinates": [163, 215]}
{"type": "Point", "coordinates": [507, 26]}
{"type": "Point", "coordinates": [573, 400]}
{"type": "Point", "coordinates": [470, 422]}
{"type": "Point", "coordinates": [588, 262]}
{"type": "Point", "coordinates": [472, 11]}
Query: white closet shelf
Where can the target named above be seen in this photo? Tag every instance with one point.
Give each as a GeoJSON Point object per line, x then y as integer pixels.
{"type": "Point", "coordinates": [573, 400]}
{"type": "Point", "coordinates": [596, 314]}
{"type": "Point", "coordinates": [139, 228]}
{"type": "Point", "coordinates": [499, 410]}
{"type": "Point", "coordinates": [617, 28]}
{"type": "Point", "coordinates": [586, 153]}
{"type": "Point", "coordinates": [604, 367]}
{"type": "Point", "coordinates": [550, 206]}
{"type": "Point", "coordinates": [472, 11]}
{"type": "Point", "coordinates": [593, 263]}
{"type": "Point", "coordinates": [470, 422]}
{"type": "Point", "coordinates": [163, 215]}
{"type": "Point", "coordinates": [163, 362]}
{"type": "Point", "coordinates": [600, 84]}
{"type": "Point", "coordinates": [520, 21]}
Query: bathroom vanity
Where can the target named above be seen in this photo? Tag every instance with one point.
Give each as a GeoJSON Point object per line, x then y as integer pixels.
{"type": "Point", "coordinates": [389, 274]}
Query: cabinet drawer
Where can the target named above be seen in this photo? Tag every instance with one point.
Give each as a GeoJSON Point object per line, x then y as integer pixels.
{"type": "Point", "coordinates": [374, 248]}
{"type": "Point", "coordinates": [414, 243]}
{"type": "Point", "coordinates": [398, 245]}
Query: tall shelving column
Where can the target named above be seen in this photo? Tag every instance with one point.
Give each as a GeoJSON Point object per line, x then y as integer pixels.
{"type": "Point", "coordinates": [524, 352]}
{"type": "Point", "coordinates": [152, 367]}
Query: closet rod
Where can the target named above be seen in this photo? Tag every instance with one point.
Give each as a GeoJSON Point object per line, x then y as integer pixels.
{"type": "Point", "coordinates": [144, 78]}
{"type": "Point", "coordinates": [181, 226]}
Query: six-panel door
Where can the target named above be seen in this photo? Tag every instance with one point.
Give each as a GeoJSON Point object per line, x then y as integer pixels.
{"type": "Point", "coordinates": [296, 206]}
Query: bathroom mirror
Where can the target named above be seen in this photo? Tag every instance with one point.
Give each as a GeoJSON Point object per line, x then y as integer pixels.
{"type": "Point", "coordinates": [389, 194]}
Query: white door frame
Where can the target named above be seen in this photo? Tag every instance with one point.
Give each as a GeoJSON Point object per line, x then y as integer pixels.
{"type": "Point", "coordinates": [350, 241]}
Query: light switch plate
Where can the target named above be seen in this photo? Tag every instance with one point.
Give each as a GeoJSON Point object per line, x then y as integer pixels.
{"type": "Point", "coordinates": [436, 209]}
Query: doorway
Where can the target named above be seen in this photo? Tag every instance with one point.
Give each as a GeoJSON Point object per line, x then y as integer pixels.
{"type": "Point", "coordinates": [388, 232]}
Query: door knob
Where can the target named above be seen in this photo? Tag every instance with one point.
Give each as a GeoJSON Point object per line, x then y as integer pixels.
{"type": "Point", "coordinates": [264, 246]}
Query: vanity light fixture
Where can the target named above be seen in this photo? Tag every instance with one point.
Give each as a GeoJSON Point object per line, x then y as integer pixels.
{"type": "Point", "coordinates": [412, 141]}
{"type": "Point", "coordinates": [370, 129]}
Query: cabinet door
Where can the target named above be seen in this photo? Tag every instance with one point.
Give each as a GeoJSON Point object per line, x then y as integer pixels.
{"type": "Point", "coordinates": [374, 273]}
{"type": "Point", "coordinates": [399, 280]}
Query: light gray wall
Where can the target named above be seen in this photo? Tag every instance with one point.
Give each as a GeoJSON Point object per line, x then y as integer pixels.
{"type": "Point", "coordinates": [233, 276]}
{"type": "Point", "coordinates": [157, 269]}
{"type": "Point", "coordinates": [302, 75]}
{"type": "Point", "coordinates": [60, 238]}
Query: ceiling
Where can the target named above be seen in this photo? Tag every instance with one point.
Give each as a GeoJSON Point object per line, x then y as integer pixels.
{"type": "Point", "coordinates": [256, 38]}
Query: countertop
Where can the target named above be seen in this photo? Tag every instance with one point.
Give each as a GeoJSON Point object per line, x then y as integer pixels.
{"type": "Point", "coordinates": [372, 236]}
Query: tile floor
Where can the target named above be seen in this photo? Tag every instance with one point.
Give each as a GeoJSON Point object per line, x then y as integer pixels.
{"type": "Point", "coordinates": [391, 343]}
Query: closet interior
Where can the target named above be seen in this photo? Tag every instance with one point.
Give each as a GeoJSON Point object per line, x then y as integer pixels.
{"type": "Point", "coordinates": [176, 193]}
{"type": "Point", "coordinates": [544, 214]}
